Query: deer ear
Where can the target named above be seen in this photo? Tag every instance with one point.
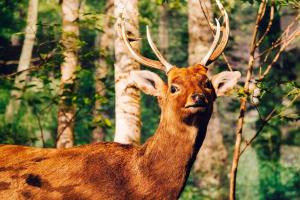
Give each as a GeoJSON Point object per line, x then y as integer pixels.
{"type": "Point", "coordinates": [223, 82]}
{"type": "Point", "coordinates": [148, 82]}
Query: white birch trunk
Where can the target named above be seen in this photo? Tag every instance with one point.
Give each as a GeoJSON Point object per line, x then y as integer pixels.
{"type": "Point", "coordinates": [70, 36]}
{"type": "Point", "coordinates": [127, 104]}
{"type": "Point", "coordinates": [24, 62]}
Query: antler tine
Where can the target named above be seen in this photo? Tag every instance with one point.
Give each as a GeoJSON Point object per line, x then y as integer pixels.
{"type": "Point", "coordinates": [138, 57]}
{"type": "Point", "coordinates": [157, 53]}
{"type": "Point", "coordinates": [213, 46]}
{"type": "Point", "coordinates": [225, 35]}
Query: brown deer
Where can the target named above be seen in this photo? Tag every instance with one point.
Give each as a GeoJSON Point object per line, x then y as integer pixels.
{"type": "Point", "coordinates": [156, 170]}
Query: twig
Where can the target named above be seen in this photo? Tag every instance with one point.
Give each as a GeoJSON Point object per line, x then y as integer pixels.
{"type": "Point", "coordinates": [50, 104]}
{"type": "Point", "coordinates": [44, 60]}
{"type": "Point", "coordinates": [282, 48]}
{"type": "Point", "coordinates": [227, 62]}
{"type": "Point", "coordinates": [271, 17]}
{"type": "Point", "coordinates": [240, 122]}
{"type": "Point", "coordinates": [268, 50]}
{"type": "Point", "coordinates": [68, 123]}
{"type": "Point", "coordinates": [262, 11]}
{"type": "Point", "coordinates": [40, 127]}
{"type": "Point", "coordinates": [265, 122]}
{"type": "Point", "coordinates": [19, 72]}
{"type": "Point", "coordinates": [206, 15]}
{"type": "Point", "coordinates": [258, 111]}
{"type": "Point", "coordinates": [279, 40]}
{"type": "Point", "coordinates": [268, 27]}
{"type": "Point", "coordinates": [15, 62]}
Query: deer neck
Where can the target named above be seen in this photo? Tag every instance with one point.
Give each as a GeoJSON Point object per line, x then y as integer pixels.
{"type": "Point", "coordinates": [168, 155]}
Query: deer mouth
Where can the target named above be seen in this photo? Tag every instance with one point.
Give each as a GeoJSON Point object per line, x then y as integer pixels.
{"type": "Point", "coordinates": [196, 105]}
{"type": "Point", "coordinates": [193, 108]}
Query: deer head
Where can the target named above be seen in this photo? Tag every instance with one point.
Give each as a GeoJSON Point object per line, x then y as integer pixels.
{"type": "Point", "coordinates": [189, 91]}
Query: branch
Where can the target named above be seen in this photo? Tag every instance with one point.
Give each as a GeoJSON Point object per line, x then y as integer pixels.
{"type": "Point", "coordinates": [290, 38]}
{"type": "Point", "coordinates": [271, 17]}
{"type": "Point", "coordinates": [15, 62]}
{"type": "Point", "coordinates": [206, 15]}
{"type": "Point", "coordinates": [40, 127]}
{"type": "Point", "coordinates": [268, 27]}
{"type": "Point", "coordinates": [68, 123]}
{"type": "Point", "coordinates": [285, 39]}
{"type": "Point", "coordinates": [279, 40]}
{"type": "Point", "coordinates": [44, 60]}
{"type": "Point", "coordinates": [265, 122]}
{"type": "Point", "coordinates": [240, 121]}
{"type": "Point", "coordinates": [227, 62]}
{"type": "Point", "coordinates": [19, 72]}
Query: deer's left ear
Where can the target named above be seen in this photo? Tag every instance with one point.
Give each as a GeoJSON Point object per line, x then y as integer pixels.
{"type": "Point", "coordinates": [223, 82]}
{"type": "Point", "coordinates": [149, 82]}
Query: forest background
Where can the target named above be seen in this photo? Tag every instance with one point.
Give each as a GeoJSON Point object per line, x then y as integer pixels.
{"type": "Point", "coordinates": [31, 98]}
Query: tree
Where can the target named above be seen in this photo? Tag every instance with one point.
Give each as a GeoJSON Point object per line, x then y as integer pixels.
{"type": "Point", "coordinates": [24, 62]}
{"type": "Point", "coordinates": [106, 44]}
{"type": "Point", "coordinates": [127, 102]}
{"type": "Point", "coordinates": [163, 37]}
{"type": "Point", "coordinates": [269, 155]}
{"type": "Point", "coordinates": [211, 158]}
{"type": "Point", "coordinates": [269, 84]}
{"type": "Point", "coordinates": [70, 37]}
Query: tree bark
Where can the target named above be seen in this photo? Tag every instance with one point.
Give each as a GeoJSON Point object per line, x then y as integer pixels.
{"type": "Point", "coordinates": [212, 156]}
{"type": "Point", "coordinates": [128, 123]}
{"type": "Point", "coordinates": [163, 36]}
{"type": "Point", "coordinates": [200, 36]}
{"type": "Point", "coordinates": [24, 63]}
{"type": "Point", "coordinates": [105, 42]}
{"type": "Point", "coordinates": [70, 36]}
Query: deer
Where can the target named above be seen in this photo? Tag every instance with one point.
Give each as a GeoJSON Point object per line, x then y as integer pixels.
{"type": "Point", "coordinates": [157, 169]}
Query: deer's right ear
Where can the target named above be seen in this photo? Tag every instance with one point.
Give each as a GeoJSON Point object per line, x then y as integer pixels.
{"type": "Point", "coordinates": [225, 81]}
{"type": "Point", "coordinates": [148, 82]}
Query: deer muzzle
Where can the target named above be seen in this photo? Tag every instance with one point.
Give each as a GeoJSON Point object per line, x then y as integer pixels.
{"type": "Point", "coordinates": [197, 100]}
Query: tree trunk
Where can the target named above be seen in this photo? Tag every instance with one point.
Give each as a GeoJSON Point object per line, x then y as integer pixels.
{"type": "Point", "coordinates": [163, 36]}
{"type": "Point", "coordinates": [200, 36]}
{"type": "Point", "coordinates": [212, 156]}
{"type": "Point", "coordinates": [24, 63]}
{"type": "Point", "coordinates": [70, 36]}
{"type": "Point", "coordinates": [105, 42]}
{"type": "Point", "coordinates": [127, 103]}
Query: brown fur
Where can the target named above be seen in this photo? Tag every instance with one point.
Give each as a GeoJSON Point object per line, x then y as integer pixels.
{"type": "Point", "coordinates": [156, 170]}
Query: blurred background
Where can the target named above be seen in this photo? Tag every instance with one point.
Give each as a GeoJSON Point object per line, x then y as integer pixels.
{"type": "Point", "coordinates": [60, 62]}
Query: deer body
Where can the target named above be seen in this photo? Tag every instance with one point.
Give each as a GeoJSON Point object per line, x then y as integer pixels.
{"type": "Point", "coordinates": [156, 170]}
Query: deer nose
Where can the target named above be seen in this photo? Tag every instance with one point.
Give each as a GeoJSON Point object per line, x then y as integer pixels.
{"type": "Point", "coordinates": [199, 99]}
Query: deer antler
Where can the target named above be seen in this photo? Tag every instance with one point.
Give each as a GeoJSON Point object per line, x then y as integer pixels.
{"type": "Point", "coordinates": [213, 46]}
{"type": "Point", "coordinates": [213, 53]}
{"type": "Point", "coordinates": [218, 50]}
{"type": "Point", "coordinates": [157, 53]}
{"type": "Point", "coordinates": [138, 57]}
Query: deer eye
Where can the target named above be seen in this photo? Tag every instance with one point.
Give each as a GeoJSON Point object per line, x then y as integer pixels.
{"type": "Point", "coordinates": [174, 89]}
